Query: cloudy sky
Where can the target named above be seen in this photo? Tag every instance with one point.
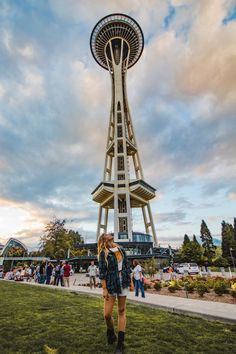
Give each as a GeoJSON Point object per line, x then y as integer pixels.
{"type": "Point", "coordinates": [55, 103]}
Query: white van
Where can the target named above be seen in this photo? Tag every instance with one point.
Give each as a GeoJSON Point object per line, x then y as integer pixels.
{"type": "Point", "coordinates": [190, 268]}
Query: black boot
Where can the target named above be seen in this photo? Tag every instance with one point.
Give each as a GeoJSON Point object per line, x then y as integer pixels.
{"type": "Point", "coordinates": [111, 337]}
{"type": "Point", "coordinates": [120, 344]}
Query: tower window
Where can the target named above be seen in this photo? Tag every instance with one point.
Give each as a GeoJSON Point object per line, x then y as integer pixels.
{"type": "Point", "coordinates": [122, 206]}
{"type": "Point", "coordinates": [120, 147]}
{"type": "Point", "coordinates": [118, 106]}
{"type": "Point", "coordinates": [119, 132]}
{"type": "Point", "coordinates": [121, 177]}
{"type": "Point", "coordinates": [119, 117]}
{"type": "Point", "coordinates": [123, 224]}
{"type": "Point", "coordinates": [120, 163]}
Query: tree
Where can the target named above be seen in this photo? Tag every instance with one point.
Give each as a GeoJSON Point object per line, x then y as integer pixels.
{"type": "Point", "coordinates": [57, 240]}
{"type": "Point", "coordinates": [207, 242]}
{"type": "Point", "coordinates": [234, 245]}
{"type": "Point", "coordinates": [218, 260]}
{"type": "Point", "coordinates": [228, 242]}
{"type": "Point", "coordinates": [195, 240]}
{"type": "Point", "coordinates": [150, 267]}
{"type": "Point", "coordinates": [186, 239]}
{"type": "Point", "coordinates": [235, 229]}
{"type": "Point", "coordinates": [191, 252]}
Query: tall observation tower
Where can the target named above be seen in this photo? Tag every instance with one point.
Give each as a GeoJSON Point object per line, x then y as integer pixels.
{"type": "Point", "coordinates": [117, 43]}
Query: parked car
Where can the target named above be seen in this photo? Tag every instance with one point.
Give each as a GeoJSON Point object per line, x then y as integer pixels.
{"type": "Point", "coordinates": [190, 268]}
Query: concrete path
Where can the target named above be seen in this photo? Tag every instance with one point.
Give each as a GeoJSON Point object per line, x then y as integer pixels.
{"type": "Point", "coordinates": [206, 309]}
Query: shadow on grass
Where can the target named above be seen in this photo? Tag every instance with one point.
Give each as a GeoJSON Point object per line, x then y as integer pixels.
{"type": "Point", "coordinates": [41, 320]}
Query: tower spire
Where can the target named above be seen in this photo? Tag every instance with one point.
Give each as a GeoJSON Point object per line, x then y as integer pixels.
{"type": "Point", "coordinates": [117, 43]}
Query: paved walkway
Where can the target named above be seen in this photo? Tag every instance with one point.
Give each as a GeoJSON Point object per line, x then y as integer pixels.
{"type": "Point", "coordinates": [206, 309]}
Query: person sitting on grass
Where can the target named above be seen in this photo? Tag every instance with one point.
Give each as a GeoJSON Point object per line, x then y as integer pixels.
{"type": "Point", "coordinates": [114, 273]}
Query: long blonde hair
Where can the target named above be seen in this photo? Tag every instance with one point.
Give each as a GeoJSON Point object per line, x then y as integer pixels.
{"type": "Point", "coordinates": [102, 246]}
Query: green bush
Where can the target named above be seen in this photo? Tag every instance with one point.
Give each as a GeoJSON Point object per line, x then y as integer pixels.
{"type": "Point", "coordinates": [172, 288]}
{"type": "Point", "coordinates": [180, 282]}
{"type": "Point", "coordinates": [201, 289]}
{"type": "Point", "coordinates": [146, 286]}
{"type": "Point", "coordinates": [201, 278]}
{"type": "Point", "coordinates": [233, 293]}
{"type": "Point", "coordinates": [189, 287]}
{"type": "Point", "coordinates": [220, 288]}
{"type": "Point", "coordinates": [175, 284]}
{"type": "Point", "coordinates": [210, 283]}
{"type": "Point", "coordinates": [157, 286]}
{"type": "Point", "coordinates": [165, 284]}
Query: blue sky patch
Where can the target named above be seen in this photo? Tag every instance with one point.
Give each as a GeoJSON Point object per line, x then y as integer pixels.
{"type": "Point", "coordinates": [169, 17]}
{"type": "Point", "coordinates": [231, 16]}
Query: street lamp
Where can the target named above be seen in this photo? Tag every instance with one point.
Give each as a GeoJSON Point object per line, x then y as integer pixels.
{"type": "Point", "coordinates": [231, 249]}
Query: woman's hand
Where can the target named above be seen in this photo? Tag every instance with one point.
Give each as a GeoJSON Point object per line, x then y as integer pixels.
{"type": "Point", "coordinates": [105, 294]}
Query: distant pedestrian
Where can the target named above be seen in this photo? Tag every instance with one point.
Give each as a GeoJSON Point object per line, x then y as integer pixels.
{"type": "Point", "coordinates": [32, 267]}
{"type": "Point", "coordinates": [67, 273]}
{"type": "Point", "coordinates": [37, 274]}
{"type": "Point", "coordinates": [138, 278]}
{"type": "Point", "coordinates": [57, 274]}
{"type": "Point", "coordinates": [28, 274]}
{"type": "Point", "coordinates": [92, 270]}
{"type": "Point", "coordinates": [49, 270]}
{"type": "Point", "coordinates": [42, 273]}
{"type": "Point", "coordinates": [62, 274]}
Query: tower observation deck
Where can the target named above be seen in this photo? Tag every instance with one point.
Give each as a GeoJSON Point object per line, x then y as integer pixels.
{"type": "Point", "coordinates": [117, 43]}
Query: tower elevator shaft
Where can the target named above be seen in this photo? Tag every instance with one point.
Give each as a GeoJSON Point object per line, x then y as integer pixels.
{"type": "Point", "coordinates": [119, 190]}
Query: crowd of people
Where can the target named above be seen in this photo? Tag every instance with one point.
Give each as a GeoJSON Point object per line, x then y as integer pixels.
{"type": "Point", "coordinates": [43, 273]}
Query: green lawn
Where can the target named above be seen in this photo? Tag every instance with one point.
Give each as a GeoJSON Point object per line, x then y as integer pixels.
{"type": "Point", "coordinates": [33, 318]}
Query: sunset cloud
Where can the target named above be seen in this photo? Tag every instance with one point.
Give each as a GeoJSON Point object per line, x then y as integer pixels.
{"type": "Point", "coordinates": [55, 103]}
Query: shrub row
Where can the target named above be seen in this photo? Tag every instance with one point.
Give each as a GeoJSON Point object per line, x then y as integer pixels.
{"type": "Point", "coordinates": [199, 284]}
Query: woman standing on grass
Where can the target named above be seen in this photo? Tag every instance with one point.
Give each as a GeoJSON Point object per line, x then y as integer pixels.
{"type": "Point", "coordinates": [114, 273]}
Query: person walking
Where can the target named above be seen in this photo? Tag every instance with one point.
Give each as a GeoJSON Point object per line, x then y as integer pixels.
{"type": "Point", "coordinates": [42, 273]}
{"type": "Point", "coordinates": [114, 273]}
{"type": "Point", "coordinates": [138, 278]}
{"type": "Point", "coordinates": [49, 270]}
{"type": "Point", "coordinates": [59, 274]}
{"type": "Point", "coordinates": [67, 272]}
{"type": "Point", "coordinates": [92, 270]}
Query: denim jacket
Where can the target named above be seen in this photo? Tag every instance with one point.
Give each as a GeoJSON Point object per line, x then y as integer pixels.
{"type": "Point", "coordinates": [108, 270]}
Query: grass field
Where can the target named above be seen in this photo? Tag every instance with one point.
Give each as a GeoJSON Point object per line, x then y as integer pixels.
{"type": "Point", "coordinates": [35, 319]}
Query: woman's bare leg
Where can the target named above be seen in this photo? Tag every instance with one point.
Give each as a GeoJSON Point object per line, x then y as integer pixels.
{"type": "Point", "coordinates": [121, 313]}
{"type": "Point", "coordinates": [108, 307]}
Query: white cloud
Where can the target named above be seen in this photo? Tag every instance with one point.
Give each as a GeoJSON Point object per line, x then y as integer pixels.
{"type": "Point", "coordinates": [232, 196]}
{"type": "Point", "coordinates": [56, 104]}
{"type": "Point", "coordinates": [27, 51]}
{"type": "Point", "coordinates": [32, 85]}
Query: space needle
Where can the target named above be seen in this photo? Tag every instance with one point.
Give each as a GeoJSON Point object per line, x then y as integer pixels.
{"type": "Point", "coordinates": [117, 43]}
